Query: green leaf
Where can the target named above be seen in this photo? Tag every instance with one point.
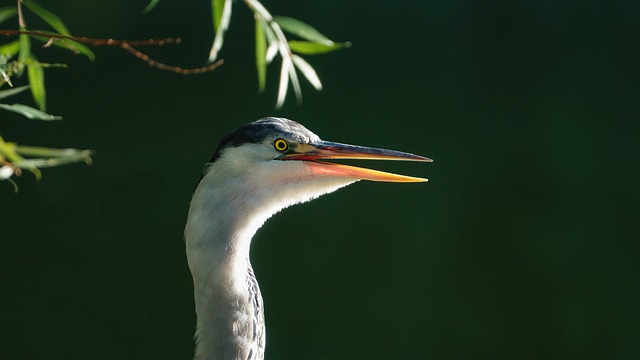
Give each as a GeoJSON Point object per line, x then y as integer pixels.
{"type": "Point", "coordinates": [151, 5]}
{"type": "Point", "coordinates": [15, 186]}
{"type": "Point", "coordinates": [259, 9]}
{"type": "Point", "coordinates": [217, 8]}
{"type": "Point", "coordinates": [11, 49]}
{"type": "Point", "coordinates": [13, 91]}
{"type": "Point", "coordinates": [298, 28]}
{"type": "Point", "coordinates": [7, 12]}
{"type": "Point", "coordinates": [29, 112]}
{"type": "Point", "coordinates": [50, 18]}
{"type": "Point", "coordinates": [313, 48]}
{"type": "Point", "coordinates": [74, 46]}
{"type": "Point", "coordinates": [284, 82]}
{"type": "Point", "coordinates": [221, 28]}
{"type": "Point", "coordinates": [38, 151]}
{"type": "Point", "coordinates": [56, 23]}
{"type": "Point", "coordinates": [24, 50]}
{"type": "Point", "coordinates": [36, 81]}
{"type": "Point", "coordinates": [308, 71]}
{"type": "Point", "coordinates": [261, 55]}
{"type": "Point", "coordinates": [34, 164]}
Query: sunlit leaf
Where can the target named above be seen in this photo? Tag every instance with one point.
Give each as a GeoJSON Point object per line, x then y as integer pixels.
{"type": "Point", "coordinates": [298, 28]}
{"type": "Point", "coordinates": [36, 81]}
{"type": "Point", "coordinates": [217, 6]}
{"type": "Point", "coordinates": [7, 13]}
{"type": "Point", "coordinates": [259, 9]}
{"type": "Point", "coordinates": [271, 52]}
{"type": "Point", "coordinates": [261, 55]}
{"type": "Point", "coordinates": [8, 151]}
{"type": "Point", "coordinates": [50, 18]}
{"type": "Point", "coordinates": [45, 163]}
{"type": "Point", "coordinates": [150, 6]}
{"type": "Point", "coordinates": [29, 112]}
{"type": "Point", "coordinates": [272, 42]}
{"type": "Point", "coordinates": [56, 23]}
{"type": "Point", "coordinates": [295, 83]}
{"type": "Point", "coordinates": [313, 48]}
{"type": "Point", "coordinates": [12, 91]}
{"type": "Point", "coordinates": [222, 27]}
{"type": "Point", "coordinates": [38, 151]}
{"type": "Point", "coordinates": [15, 185]}
{"type": "Point", "coordinates": [24, 50]}
{"type": "Point", "coordinates": [284, 82]}
{"type": "Point", "coordinates": [11, 49]}
{"type": "Point", "coordinates": [308, 71]}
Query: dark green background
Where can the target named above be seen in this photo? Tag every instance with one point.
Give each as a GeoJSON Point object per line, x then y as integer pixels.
{"type": "Point", "coordinates": [523, 245]}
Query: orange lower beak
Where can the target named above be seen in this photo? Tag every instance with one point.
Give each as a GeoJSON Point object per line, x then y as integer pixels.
{"type": "Point", "coordinates": [311, 153]}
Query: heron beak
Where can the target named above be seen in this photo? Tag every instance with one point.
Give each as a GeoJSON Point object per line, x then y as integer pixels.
{"type": "Point", "coordinates": [312, 153]}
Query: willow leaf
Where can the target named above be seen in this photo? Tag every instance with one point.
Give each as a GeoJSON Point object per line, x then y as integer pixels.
{"type": "Point", "coordinates": [56, 23]}
{"type": "Point", "coordinates": [11, 49]}
{"type": "Point", "coordinates": [29, 112]}
{"type": "Point", "coordinates": [73, 46]}
{"type": "Point", "coordinates": [150, 6]}
{"type": "Point", "coordinates": [284, 82]}
{"type": "Point", "coordinates": [217, 6]}
{"type": "Point", "coordinates": [36, 81]}
{"type": "Point", "coordinates": [38, 151]}
{"type": "Point", "coordinates": [7, 12]}
{"type": "Point", "coordinates": [50, 18]}
{"type": "Point", "coordinates": [308, 71]}
{"type": "Point", "coordinates": [314, 48]}
{"type": "Point", "coordinates": [24, 50]}
{"type": "Point", "coordinates": [259, 9]}
{"type": "Point", "coordinates": [12, 91]}
{"type": "Point", "coordinates": [261, 55]}
{"type": "Point", "coordinates": [223, 24]}
{"type": "Point", "coordinates": [298, 28]}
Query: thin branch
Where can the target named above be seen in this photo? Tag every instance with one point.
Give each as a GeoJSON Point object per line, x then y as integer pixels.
{"type": "Point", "coordinates": [21, 22]}
{"type": "Point", "coordinates": [127, 45]}
{"type": "Point", "coordinates": [93, 41]}
{"type": "Point", "coordinates": [176, 69]}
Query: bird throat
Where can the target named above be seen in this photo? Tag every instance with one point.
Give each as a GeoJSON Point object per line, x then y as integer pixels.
{"type": "Point", "coordinates": [229, 307]}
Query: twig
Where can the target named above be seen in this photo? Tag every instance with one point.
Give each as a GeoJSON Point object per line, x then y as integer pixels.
{"type": "Point", "coordinates": [93, 41]}
{"type": "Point", "coordinates": [176, 69]}
{"type": "Point", "coordinates": [127, 45]}
{"type": "Point", "coordinates": [21, 22]}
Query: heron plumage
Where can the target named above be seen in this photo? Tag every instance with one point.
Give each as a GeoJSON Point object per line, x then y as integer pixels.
{"type": "Point", "coordinates": [247, 181]}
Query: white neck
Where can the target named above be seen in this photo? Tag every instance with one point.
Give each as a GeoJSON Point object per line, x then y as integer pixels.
{"type": "Point", "coordinates": [227, 209]}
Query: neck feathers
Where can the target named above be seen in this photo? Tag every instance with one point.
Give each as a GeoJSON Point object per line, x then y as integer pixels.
{"type": "Point", "coordinates": [227, 208]}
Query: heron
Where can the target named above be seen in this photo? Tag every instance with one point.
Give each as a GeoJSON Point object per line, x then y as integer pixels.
{"type": "Point", "coordinates": [257, 170]}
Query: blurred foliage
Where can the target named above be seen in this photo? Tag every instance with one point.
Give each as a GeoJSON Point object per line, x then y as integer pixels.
{"type": "Point", "coordinates": [17, 55]}
{"type": "Point", "coordinates": [271, 40]}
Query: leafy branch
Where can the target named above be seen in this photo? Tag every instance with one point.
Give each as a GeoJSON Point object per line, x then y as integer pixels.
{"type": "Point", "coordinates": [17, 56]}
{"type": "Point", "coordinates": [14, 158]}
{"type": "Point", "coordinates": [127, 45]}
{"type": "Point", "coordinates": [271, 41]}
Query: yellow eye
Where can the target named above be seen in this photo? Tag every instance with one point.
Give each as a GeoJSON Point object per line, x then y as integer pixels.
{"type": "Point", "coordinates": [281, 145]}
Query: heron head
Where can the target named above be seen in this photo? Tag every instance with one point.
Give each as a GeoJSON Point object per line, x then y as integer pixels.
{"type": "Point", "coordinates": [282, 150]}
